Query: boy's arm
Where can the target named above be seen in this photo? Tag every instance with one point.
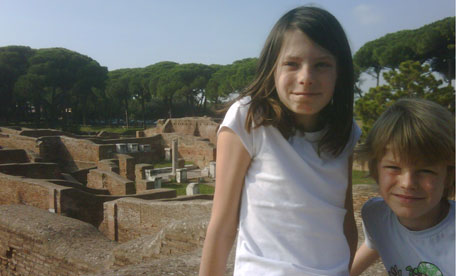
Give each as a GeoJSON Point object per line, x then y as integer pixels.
{"type": "Point", "coordinates": [364, 258]}
{"type": "Point", "coordinates": [232, 162]}
{"type": "Point", "coordinates": [349, 223]}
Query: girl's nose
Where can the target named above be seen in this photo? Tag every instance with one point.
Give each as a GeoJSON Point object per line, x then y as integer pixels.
{"type": "Point", "coordinates": [305, 76]}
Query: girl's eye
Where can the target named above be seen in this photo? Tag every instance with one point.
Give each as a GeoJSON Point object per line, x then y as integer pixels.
{"type": "Point", "coordinates": [323, 65]}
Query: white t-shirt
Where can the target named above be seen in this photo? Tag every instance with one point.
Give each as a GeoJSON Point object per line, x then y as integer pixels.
{"type": "Point", "coordinates": [429, 252]}
{"type": "Point", "coordinates": [292, 203]}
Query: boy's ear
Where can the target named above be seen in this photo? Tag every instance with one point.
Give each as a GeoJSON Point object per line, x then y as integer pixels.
{"type": "Point", "coordinates": [449, 185]}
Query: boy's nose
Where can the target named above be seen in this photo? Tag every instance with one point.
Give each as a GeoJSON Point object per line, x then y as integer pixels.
{"type": "Point", "coordinates": [407, 180]}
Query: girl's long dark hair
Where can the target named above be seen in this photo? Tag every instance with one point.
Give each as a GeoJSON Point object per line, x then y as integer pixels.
{"type": "Point", "coordinates": [265, 107]}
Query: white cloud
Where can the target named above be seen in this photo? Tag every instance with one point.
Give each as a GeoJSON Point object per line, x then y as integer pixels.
{"type": "Point", "coordinates": [367, 15]}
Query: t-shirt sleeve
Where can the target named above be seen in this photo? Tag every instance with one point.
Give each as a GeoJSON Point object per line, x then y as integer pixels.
{"type": "Point", "coordinates": [235, 119]}
{"type": "Point", "coordinates": [367, 221]}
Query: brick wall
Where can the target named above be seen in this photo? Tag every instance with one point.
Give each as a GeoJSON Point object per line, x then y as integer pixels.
{"type": "Point", "coordinates": [203, 127]}
{"type": "Point", "coordinates": [192, 148]}
{"type": "Point", "coordinates": [14, 141]}
{"type": "Point", "coordinates": [32, 170]}
{"type": "Point", "coordinates": [130, 218]}
{"type": "Point", "coordinates": [36, 242]}
{"type": "Point", "coordinates": [13, 156]}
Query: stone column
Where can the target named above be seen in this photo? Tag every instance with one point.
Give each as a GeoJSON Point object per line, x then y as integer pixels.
{"type": "Point", "coordinates": [212, 169]}
{"type": "Point", "coordinates": [167, 154]}
{"type": "Point", "coordinates": [181, 175]}
{"type": "Point", "coordinates": [175, 155]}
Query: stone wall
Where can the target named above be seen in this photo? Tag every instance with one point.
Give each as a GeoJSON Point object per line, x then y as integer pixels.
{"type": "Point", "coordinates": [203, 127]}
{"type": "Point", "coordinates": [32, 170]}
{"type": "Point", "coordinates": [191, 148]}
{"type": "Point", "coordinates": [36, 242]}
{"type": "Point", "coordinates": [13, 156]}
{"type": "Point", "coordinates": [130, 218]}
{"type": "Point", "coordinates": [64, 197]}
{"type": "Point", "coordinates": [110, 181]}
{"type": "Point", "coordinates": [14, 141]}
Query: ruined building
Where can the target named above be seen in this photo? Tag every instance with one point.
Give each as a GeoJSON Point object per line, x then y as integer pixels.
{"type": "Point", "coordinates": [94, 205]}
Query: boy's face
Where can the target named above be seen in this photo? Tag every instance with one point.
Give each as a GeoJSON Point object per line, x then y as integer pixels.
{"type": "Point", "coordinates": [412, 191]}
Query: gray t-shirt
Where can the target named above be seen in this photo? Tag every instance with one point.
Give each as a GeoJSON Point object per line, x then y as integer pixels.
{"type": "Point", "coordinates": [428, 252]}
{"type": "Point", "coordinates": [292, 203]}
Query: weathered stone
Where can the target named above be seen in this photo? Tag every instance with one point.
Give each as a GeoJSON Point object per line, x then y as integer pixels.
{"type": "Point", "coordinates": [181, 175]}
{"type": "Point", "coordinates": [212, 169]}
{"type": "Point", "coordinates": [192, 189]}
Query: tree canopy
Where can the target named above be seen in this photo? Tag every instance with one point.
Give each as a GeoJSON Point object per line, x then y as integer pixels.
{"type": "Point", "coordinates": [433, 43]}
{"type": "Point", "coordinates": [411, 79]}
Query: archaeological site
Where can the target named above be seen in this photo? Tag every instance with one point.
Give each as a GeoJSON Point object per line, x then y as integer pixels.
{"type": "Point", "coordinates": [95, 205]}
{"type": "Point", "coordinates": [98, 204]}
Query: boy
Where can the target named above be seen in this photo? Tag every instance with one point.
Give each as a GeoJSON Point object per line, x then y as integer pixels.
{"type": "Point", "coordinates": [411, 154]}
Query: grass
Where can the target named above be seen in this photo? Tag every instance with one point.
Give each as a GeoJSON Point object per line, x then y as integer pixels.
{"type": "Point", "coordinates": [360, 177]}
{"type": "Point", "coordinates": [117, 130]}
{"type": "Point", "coordinates": [180, 188]}
{"type": "Point", "coordinates": [165, 164]}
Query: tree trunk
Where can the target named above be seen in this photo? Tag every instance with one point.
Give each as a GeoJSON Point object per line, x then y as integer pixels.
{"type": "Point", "coordinates": [143, 109]}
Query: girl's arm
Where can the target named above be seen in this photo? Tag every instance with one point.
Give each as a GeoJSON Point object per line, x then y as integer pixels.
{"type": "Point", "coordinates": [364, 258]}
{"type": "Point", "coordinates": [232, 163]}
{"type": "Point", "coordinates": [349, 224]}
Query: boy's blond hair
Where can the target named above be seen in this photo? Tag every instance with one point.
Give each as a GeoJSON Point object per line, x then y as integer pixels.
{"type": "Point", "coordinates": [418, 132]}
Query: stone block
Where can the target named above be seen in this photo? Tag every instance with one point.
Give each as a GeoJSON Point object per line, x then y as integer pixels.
{"type": "Point", "coordinates": [133, 147]}
{"type": "Point", "coordinates": [157, 183]}
{"type": "Point", "coordinates": [167, 154]}
{"type": "Point", "coordinates": [121, 148]}
{"type": "Point", "coordinates": [212, 169]}
{"type": "Point", "coordinates": [145, 148]}
{"type": "Point", "coordinates": [181, 175]}
{"type": "Point", "coordinates": [192, 189]}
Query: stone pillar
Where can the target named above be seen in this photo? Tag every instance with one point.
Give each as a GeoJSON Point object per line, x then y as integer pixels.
{"type": "Point", "coordinates": [52, 201]}
{"type": "Point", "coordinates": [175, 155]}
{"type": "Point", "coordinates": [167, 154]}
{"type": "Point", "coordinates": [181, 175]}
{"type": "Point", "coordinates": [212, 169]}
{"type": "Point", "coordinates": [192, 189]}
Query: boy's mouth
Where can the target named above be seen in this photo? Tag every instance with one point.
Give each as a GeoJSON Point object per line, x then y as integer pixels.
{"type": "Point", "coordinates": [408, 198]}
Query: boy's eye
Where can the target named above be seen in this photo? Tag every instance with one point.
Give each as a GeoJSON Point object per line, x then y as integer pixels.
{"type": "Point", "coordinates": [392, 168]}
{"type": "Point", "coordinates": [291, 64]}
{"type": "Point", "coordinates": [428, 171]}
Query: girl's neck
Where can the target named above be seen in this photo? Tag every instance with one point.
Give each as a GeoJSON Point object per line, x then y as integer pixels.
{"type": "Point", "coordinates": [308, 123]}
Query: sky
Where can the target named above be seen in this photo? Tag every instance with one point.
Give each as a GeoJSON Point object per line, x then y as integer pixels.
{"type": "Point", "coordinates": [137, 33]}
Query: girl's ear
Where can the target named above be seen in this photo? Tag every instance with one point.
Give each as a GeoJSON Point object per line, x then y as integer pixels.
{"type": "Point", "coordinates": [449, 184]}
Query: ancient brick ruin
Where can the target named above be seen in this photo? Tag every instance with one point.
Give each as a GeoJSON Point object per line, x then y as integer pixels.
{"type": "Point", "coordinates": [80, 205]}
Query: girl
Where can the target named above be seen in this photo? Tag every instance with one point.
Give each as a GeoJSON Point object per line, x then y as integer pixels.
{"type": "Point", "coordinates": [283, 157]}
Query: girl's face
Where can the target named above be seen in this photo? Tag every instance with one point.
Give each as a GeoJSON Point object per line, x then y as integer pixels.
{"type": "Point", "coordinates": [305, 77]}
{"type": "Point", "coordinates": [412, 191]}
